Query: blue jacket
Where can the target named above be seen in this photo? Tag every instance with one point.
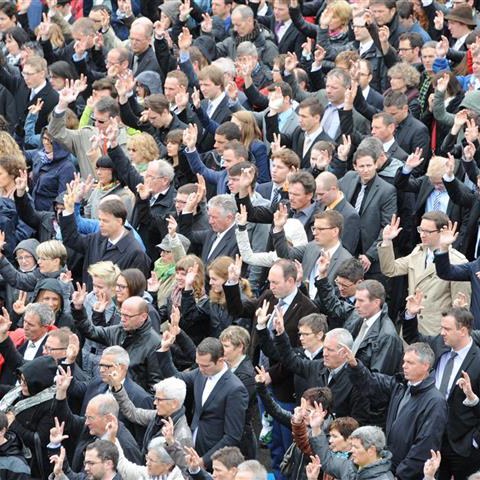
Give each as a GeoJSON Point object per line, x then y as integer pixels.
{"type": "Point", "coordinates": [49, 178]}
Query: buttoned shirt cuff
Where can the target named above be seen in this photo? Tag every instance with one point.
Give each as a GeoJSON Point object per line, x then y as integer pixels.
{"type": "Point", "coordinates": [448, 178]}
{"type": "Point", "coordinates": [406, 169]}
{"type": "Point", "coordinates": [471, 403]}
{"type": "Point", "coordinates": [261, 327]}
{"type": "Point", "coordinates": [316, 68]}
{"type": "Point", "coordinates": [409, 316]}
{"type": "Point", "coordinates": [228, 282]}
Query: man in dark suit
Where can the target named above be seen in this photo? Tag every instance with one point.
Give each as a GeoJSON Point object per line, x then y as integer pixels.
{"type": "Point", "coordinates": [112, 242]}
{"type": "Point", "coordinates": [383, 128]}
{"type": "Point", "coordinates": [149, 217]}
{"type": "Point", "coordinates": [375, 200]}
{"type": "Point", "coordinates": [330, 197]}
{"type": "Point", "coordinates": [327, 229]}
{"type": "Point", "coordinates": [220, 398]}
{"type": "Point", "coordinates": [144, 57]}
{"type": "Point", "coordinates": [218, 240]}
{"type": "Point", "coordinates": [27, 89]}
{"type": "Point", "coordinates": [310, 113]}
{"type": "Point", "coordinates": [457, 374]}
{"type": "Point", "coordinates": [282, 296]}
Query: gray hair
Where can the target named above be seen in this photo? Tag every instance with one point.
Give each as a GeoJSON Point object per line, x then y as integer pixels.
{"type": "Point", "coordinates": [43, 312]}
{"type": "Point", "coordinates": [341, 75]}
{"type": "Point", "coordinates": [121, 355]}
{"type": "Point", "coordinates": [254, 467]}
{"type": "Point", "coordinates": [224, 202]}
{"type": "Point", "coordinates": [157, 446]}
{"type": "Point", "coordinates": [144, 22]}
{"type": "Point", "coordinates": [164, 169]}
{"type": "Point", "coordinates": [248, 49]}
{"type": "Point", "coordinates": [424, 352]}
{"type": "Point", "coordinates": [106, 404]}
{"type": "Point", "coordinates": [371, 146]}
{"type": "Point", "coordinates": [173, 388]}
{"type": "Point", "coordinates": [244, 11]}
{"type": "Point", "coordinates": [342, 335]}
{"type": "Point", "coordinates": [226, 64]}
{"type": "Point", "coordinates": [370, 436]}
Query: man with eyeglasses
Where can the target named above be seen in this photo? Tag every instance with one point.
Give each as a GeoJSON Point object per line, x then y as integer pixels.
{"type": "Point", "coordinates": [418, 265]}
{"type": "Point", "coordinates": [134, 333]}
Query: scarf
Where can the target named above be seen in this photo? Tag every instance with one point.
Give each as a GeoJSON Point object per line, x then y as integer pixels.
{"type": "Point", "coordinates": [164, 270]}
{"type": "Point", "coordinates": [9, 399]}
{"type": "Point", "coordinates": [250, 37]}
{"type": "Point", "coordinates": [108, 186]}
{"type": "Point", "coordinates": [176, 296]}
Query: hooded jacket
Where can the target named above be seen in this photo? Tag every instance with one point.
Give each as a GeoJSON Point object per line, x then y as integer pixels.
{"type": "Point", "coordinates": [49, 177]}
{"type": "Point", "coordinates": [62, 319]}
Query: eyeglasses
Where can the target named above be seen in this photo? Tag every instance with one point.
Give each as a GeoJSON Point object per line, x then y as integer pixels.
{"type": "Point", "coordinates": [319, 229]}
{"type": "Point", "coordinates": [404, 49]}
{"type": "Point", "coordinates": [126, 315]}
{"type": "Point", "coordinates": [29, 74]}
{"type": "Point", "coordinates": [44, 258]}
{"type": "Point", "coordinates": [106, 366]}
{"type": "Point", "coordinates": [101, 122]}
{"type": "Point", "coordinates": [121, 287]}
{"type": "Point", "coordinates": [46, 348]}
{"type": "Point", "coordinates": [160, 399]}
{"type": "Point", "coordinates": [152, 177]}
{"type": "Point", "coordinates": [25, 258]}
{"type": "Point", "coordinates": [426, 232]}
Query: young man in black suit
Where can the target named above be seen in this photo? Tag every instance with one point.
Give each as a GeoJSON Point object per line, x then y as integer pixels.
{"type": "Point", "coordinates": [457, 374]}
{"type": "Point", "coordinates": [220, 398]}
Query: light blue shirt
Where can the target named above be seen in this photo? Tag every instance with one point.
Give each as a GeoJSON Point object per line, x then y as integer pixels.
{"type": "Point", "coordinates": [443, 199]}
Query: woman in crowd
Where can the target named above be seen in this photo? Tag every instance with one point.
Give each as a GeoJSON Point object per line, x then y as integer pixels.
{"type": "Point", "coordinates": [142, 149]}
{"type": "Point", "coordinates": [405, 78]}
{"type": "Point", "coordinates": [176, 155]}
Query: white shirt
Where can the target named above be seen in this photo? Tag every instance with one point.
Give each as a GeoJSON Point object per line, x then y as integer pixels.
{"type": "Point", "coordinates": [370, 321]}
{"type": "Point", "coordinates": [363, 47]}
{"type": "Point", "coordinates": [387, 145]}
{"type": "Point", "coordinates": [215, 103]}
{"type": "Point", "coordinates": [457, 363]}
{"type": "Point", "coordinates": [366, 91]}
{"type": "Point", "coordinates": [312, 289]}
{"type": "Point", "coordinates": [211, 382]}
{"type": "Point", "coordinates": [459, 43]}
{"type": "Point", "coordinates": [312, 355]}
{"type": "Point", "coordinates": [219, 238]}
{"type": "Point", "coordinates": [283, 29]}
{"type": "Point", "coordinates": [32, 348]}
{"type": "Point", "coordinates": [35, 91]}
{"type": "Point", "coordinates": [116, 240]}
{"type": "Point", "coordinates": [310, 138]}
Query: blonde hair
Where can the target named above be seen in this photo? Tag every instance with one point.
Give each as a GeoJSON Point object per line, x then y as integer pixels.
{"type": "Point", "coordinates": [188, 262]}
{"type": "Point", "coordinates": [249, 128]}
{"type": "Point", "coordinates": [56, 36]}
{"type": "Point", "coordinates": [146, 144]}
{"type": "Point", "coordinates": [9, 148]}
{"type": "Point", "coordinates": [236, 336]}
{"type": "Point", "coordinates": [342, 10]}
{"type": "Point", "coordinates": [53, 249]}
{"type": "Point", "coordinates": [436, 167]}
{"type": "Point", "coordinates": [220, 267]}
{"type": "Point", "coordinates": [106, 271]}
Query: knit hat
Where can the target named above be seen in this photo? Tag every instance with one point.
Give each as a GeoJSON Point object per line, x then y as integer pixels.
{"type": "Point", "coordinates": [171, 8]}
{"type": "Point", "coordinates": [471, 101]}
{"type": "Point", "coordinates": [30, 245]}
{"type": "Point", "coordinates": [207, 47]}
{"type": "Point", "coordinates": [462, 14]}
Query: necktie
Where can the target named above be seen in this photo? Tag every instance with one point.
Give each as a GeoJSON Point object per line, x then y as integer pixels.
{"type": "Point", "coordinates": [110, 246]}
{"type": "Point", "coordinates": [406, 397]}
{"type": "Point", "coordinates": [306, 144]}
{"type": "Point", "coordinates": [32, 94]}
{"type": "Point", "coordinates": [278, 26]}
{"type": "Point", "coordinates": [436, 202]}
{"type": "Point", "coordinates": [360, 336]}
{"type": "Point", "coordinates": [276, 196]}
{"type": "Point", "coordinates": [31, 345]}
{"type": "Point", "coordinates": [209, 108]}
{"type": "Point", "coordinates": [331, 120]}
{"type": "Point", "coordinates": [447, 373]}
{"type": "Point", "coordinates": [135, 64]}
{"type": "Point", "coordinates": [359, 201]}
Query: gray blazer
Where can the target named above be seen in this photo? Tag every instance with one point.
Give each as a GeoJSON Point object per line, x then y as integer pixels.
{"type": "Point", "coordinates": [379, 205]}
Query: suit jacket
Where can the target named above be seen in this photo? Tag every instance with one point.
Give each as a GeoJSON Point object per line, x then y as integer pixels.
{"type": "Point", "coordinates": [227, 245]}
{"type": "Point", "coordinates": [397, 152]}
{"type": "Point", "coordinates": [220, 115]}
{"type": "Point", "coordinates": [221, 419]}
{"type": "Point", "coordinates": [301, 306]}
{"type": "Point", "coordinates": [378, 206]}
{"type": "Point", "coordinates": [463, 422]}
{"type": "Point", "coordinates": [438, 294]}
{"type": "Point", "coordinates": [351, 225]}
{"type": "Point", "coordinates": [147, 61]}
{"type": "Point", "coordinates": [423, 187]}
{"type": "Point", "coordinates": [292, 40]}
{"type": "Point", "coordinates": [374, 98]}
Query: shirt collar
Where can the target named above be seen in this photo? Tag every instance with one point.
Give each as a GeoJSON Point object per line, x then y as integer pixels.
{"type": "Point", "coordinates": [222, 234]}
{"type": "Point", "coordinates": [116, 240]}
{"type": "Point", "coordinates": [215, 103]}
{"type": "Point", "coordinates": [462, 353]}
{"type": "Point", "coordinates": [387, 145]}
{"type": "Point", "coordinates": [289, 298]}
{"type": "Point", "coordinates": [312, 355]}
{"type": "Point", "coordinates": [307, 211]}
{"type": "Point", "coordinates": [38, 89]}
{"type": "Point", "coordinates": [370, 321]}
{"type": "Point", "coordinates": [314, 134]}
{"type": "Point", "coordinates": [218, 375]}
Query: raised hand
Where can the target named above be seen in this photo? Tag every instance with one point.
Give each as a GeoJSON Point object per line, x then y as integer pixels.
{"type": "Point", "coordinates": [5, 323]}
{"type": "Point", "coordinates": [415, 303]}
{"type": "Point", "coordinates": [79, 295]}
{"type": "Point", "coordinates": [343, 150]}
{"type": "Point", "coordinates": [366, 263]}
{"type": "Point", "coordinates": [153, 284]}
{"type": "Point", "coordinates": [313, 468]}
{"type": "Point", "coordinates": [262, 376]}
{"type": "Point", "coordinates": [73, 348]}
{"type": "Point", "coordinates": [414, 159]}
{"type": "Point", "coordinates": [299, 267]}
{"type": "Point", "coordinates": [191, 276]}
{"type": "Point", "coordinates": [278, 322]}
{"type": "Point", "coordinates": [466, 385]}
{"type": "Point", "coordinates": [195, 97]}
{"type": "Point", "coordinates": [280, 217]}
{"type": "Point", "coordinates": [112, 132]}
{"type": "Point", "coordinates": [317, 416]}
{"type": "Point", "coordinates": [58, 460]}
{"type": "Point", "coordinates": [393, 230]}
{"type": "Point", "coordinates": [66, 277]}
{"type": "Point", "coordinates": [291, 62]}
{"type": "Point", "coordinates": [168, 339]}
{"type": "Point", "coordinates": [262, 314]}
{"type": "Point", "coordinates": [20, 305]}
{"type": "Point", "coordinates": [2, 241]}
{"type": "Point", "coordinates": [323, 263]}
{"type": "Point", "coordinates": [172, 226]}
{"type": "Point", "coordinates": [307, 47]}
{"type": "Point", "coordinates": [56, 432]}
{"type": "Point", "coordinates": [448, 235]}
{"type": "Point", "coordinates": [432, 465]}
{"type": "Point", "coordinates": [461, 300]}
{"type": "Point", "coordinates": [68, 94]}
{"type": "Point", "coordinates": [241, 217]}
{"type": "Point", "coordinates": [439, 20]}
{"type": "Point", "coordinates": [175, 321]}
{"type": "Point", "coordinates": [102, 302]}
{"type": "Point", "coordinates": [246, 180]}
{"type": "Point", "coordinates": [190, 136]}
{"type": "Point", "coordinates": [35, 108]}
{"type": "Point", "coordinates": [471, 130]}
{"type": "Point", "coordinates": [450, 165]}
{"type": "Point", "coordinates": [319, 55]}
{"type": "Point", "coordinates": [232, 91]}
{"type": "Point", "coordinates": [276, 145]}
{"type": "Point", "coordinates": [112, 428]}
{"type": "Point", "coordinates": [326, 17]}
{"type": "Point", "coordinates": [275, 100]}
{"type": "Point", "coordinates": [347, 354]}
{"type": "Point", "coordinates": [469, 152]}
{"type": "Point", "coordinates": [168, 430]}
{"type": "Point", "coordinates": [235, 270]}
{"type": "Point", "coordinates": [184, 11]}
{"type": "Point", "coordinates": [194, 460]}
{"type": "Point", "coordinates": [125, 6]}
{"type": "Point", "coordinates": [143, 191]}
{"type": "Point", "coordinates": [63, 380]}
{"type": "Point", "coordinates": [124, 85]}
{"type": "Point", "coordinates": [207, 23]}
{"type": "Point", "coordinates": [44, 29]}
{"type": "Point", "coordinates": [460, 119]}
{"type": "Point", "coordinates": [21, 183]}
{"type": "Point", "coordinates": [181, 100]}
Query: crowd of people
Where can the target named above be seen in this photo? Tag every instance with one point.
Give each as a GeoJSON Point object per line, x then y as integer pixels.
{"type": "Point", "coordinates": [239, 239]}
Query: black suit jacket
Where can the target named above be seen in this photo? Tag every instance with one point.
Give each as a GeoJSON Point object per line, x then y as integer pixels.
{"type": "Point", "coordinates": [147, 61]}
{"type": "Point", "coordinates": [374, 98]}
{"type": "Point", "coordinates": [292, 40]}
{"type": "Point", "coordinates": [221, 419]}
{"type": "Point", "coordinates": [463, 424]}
{"type": "Point", "coordinates": [396, 151]}
{"type": "Point", "coordinates": [301, 306]}
{"type": "Point", "coordinates": [220, 115]}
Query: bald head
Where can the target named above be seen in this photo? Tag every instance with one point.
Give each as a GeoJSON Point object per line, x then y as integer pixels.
{"type": "Point", "coordinates": [141, 35]}
{"type": "Point", "coordinates": [134, 313]}
{"type": "Point", "coordinates": [327, 188]}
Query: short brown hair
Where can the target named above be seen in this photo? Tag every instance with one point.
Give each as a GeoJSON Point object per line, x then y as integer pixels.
{"type": "Point", "coordinates": [236, 336]}
{"type": "Point", "coordinates": [317, 322]}
{"type": "Point", "coordinates": [344, 426]}
{"type": "Point", "coordinates": [115, 207]}
{"type": "Point", "coordinates": [334, 219]}
{"type": "Point", "coordinates": [375, 290]}
{"type": "Point", "coordinates": [180, 76]}
{"type": "Point", "coordinates": [314, 106]}
{"type": "Point", "coordinates": [306, 179]}
{"type": "Point", "coordinates": [288, 157]}
{"type": "Point", "coordinates": [12, 165]}
{"type": "Point", "coordinates": [212, 73]}
{"type": "Point", "coordinates": [157, 102]}
{"type": "Point", "coordinates": [439, 218]}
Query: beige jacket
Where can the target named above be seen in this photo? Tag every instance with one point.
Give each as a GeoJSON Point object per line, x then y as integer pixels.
{"type": "Point", "coordinates": [438, 294]}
